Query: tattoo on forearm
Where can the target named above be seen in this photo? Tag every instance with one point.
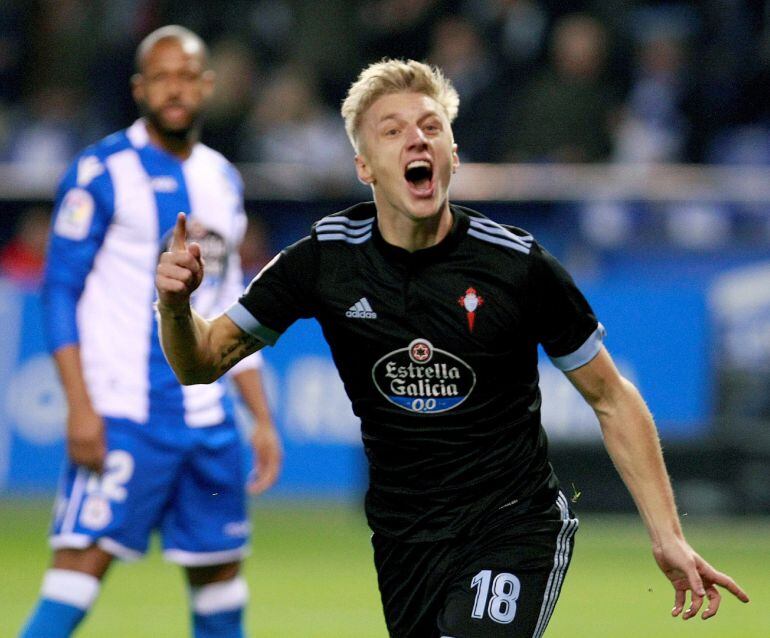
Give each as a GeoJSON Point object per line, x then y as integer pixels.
{"type": "Point", "coordinates": [231, 355]}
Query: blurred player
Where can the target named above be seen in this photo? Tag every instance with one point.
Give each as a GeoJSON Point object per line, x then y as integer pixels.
{"type": "Point", "coordinates": [434, 313]}
{"type": "Point", "coordinates": [144, 452]}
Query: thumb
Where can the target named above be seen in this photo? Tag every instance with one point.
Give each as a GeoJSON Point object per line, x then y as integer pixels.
{"type": "Point", "coordinates": [178, 244]}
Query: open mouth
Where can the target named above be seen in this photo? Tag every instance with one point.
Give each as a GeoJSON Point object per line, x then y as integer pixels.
{"type": "Point", "coordinates": [419, 176]}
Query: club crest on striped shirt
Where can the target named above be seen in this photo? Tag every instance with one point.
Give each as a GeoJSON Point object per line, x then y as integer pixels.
{"type": "Point", "coordinates": [471, 301]}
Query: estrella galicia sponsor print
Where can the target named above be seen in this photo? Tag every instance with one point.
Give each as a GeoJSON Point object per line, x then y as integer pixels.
{"type": "Point", "coordinates": [423, 379]}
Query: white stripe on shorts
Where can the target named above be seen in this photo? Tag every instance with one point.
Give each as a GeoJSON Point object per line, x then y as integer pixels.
{"type": "Point", "coordinates": [76, 497]}
{"type": "Point", "coordinates": [204, 559]}
{"type": "Point", "coordinates": [560, 561]}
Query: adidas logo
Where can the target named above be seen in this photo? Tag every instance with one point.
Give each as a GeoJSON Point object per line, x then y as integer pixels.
{"type": "Point", "coordinates": [361, 310]}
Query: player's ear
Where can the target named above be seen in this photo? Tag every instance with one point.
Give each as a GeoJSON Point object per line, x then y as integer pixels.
{"type": "Point", "coordinates": [363, 170]}
{"type": "Point", "coordinates": [455, 158]}
{"type": "Point", "coordinates": [209, 77]}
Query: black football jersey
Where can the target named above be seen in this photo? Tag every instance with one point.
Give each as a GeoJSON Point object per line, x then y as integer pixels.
{"type": "Point", "coordinates": [437, 350]}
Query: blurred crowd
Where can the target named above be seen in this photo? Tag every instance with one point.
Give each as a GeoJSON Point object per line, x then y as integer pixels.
{"type": "Point", "coordinates": [611, 81]}
{"type": "Point", "coordinates": [540, 80]}
{"type": "Point", "coordinates": [617, 81]}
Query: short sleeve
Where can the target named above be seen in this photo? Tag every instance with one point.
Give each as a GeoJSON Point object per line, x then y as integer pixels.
{"type": "Point", "coordinates": [282, 292]}
{"type": "Point", "coordinates": [565, 323]}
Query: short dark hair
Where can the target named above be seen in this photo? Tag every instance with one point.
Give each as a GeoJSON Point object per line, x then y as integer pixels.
{"type": "Point", "coordinates": [170, 32]}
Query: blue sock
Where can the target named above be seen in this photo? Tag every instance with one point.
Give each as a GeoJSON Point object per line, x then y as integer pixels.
{"type": "Point", "coordinates": [52, 619]}
{"type": "Point", "coordinates": [65, 599]}
{"type": "Point", "coordinates": [225, 624]}
{"type": "Point", "coordinates": [218, 609]}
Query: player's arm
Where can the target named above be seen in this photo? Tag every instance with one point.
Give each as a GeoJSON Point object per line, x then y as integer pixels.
{"type": "Point", "coordinates": [82, 214]}
{"type": "Point", "coordinates": [631, 439]}
{"type": "Point", "coordinates": [198, 350]}
{"type": "Point", "coordinates": [268, 451]}
{"type": "Point", "coordinates": [85, 428]}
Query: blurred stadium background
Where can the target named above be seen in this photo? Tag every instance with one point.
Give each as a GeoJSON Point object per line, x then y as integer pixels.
{"type": "Point", "coordinates": [632, 138]}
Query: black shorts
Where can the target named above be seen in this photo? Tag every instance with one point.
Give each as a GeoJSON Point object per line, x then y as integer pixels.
{"type": "Point", "coordinates": [502, 581]}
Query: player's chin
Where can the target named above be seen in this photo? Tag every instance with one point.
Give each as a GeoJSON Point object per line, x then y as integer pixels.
{"type": "Point", "coordinates": [424, 206]}
{"type": "Point", "coordinates": [177, 125]}
{"type": "Point", "coordinates": [177, 128]}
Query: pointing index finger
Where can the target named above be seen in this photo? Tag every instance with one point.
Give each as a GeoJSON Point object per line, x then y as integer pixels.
{"type": "Point", "coordinates": [178, 244]}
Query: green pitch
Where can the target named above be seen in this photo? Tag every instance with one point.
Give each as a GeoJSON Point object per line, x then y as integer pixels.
{"type": "Point", "coordinates": [311, 576]}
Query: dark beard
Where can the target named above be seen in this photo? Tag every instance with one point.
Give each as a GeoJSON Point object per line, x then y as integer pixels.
{"type": "Point", "coordinates": [180, 135]}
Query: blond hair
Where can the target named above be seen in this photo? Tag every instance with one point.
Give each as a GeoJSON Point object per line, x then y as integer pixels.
{"type": "Point", "coordinates": [396, 76]}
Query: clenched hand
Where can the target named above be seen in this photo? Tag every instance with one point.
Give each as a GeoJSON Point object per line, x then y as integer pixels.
{"type": "Point", "coordinates": [180, 270]}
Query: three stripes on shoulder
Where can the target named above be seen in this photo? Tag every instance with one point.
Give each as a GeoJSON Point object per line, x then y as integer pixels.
{"type": "Point", "coordinates": [357, 231]}
{"type": "Point", "coordinates": [351, 231]}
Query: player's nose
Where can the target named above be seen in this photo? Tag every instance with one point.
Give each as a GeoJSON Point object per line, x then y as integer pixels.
{"type": "Point", "coordinates": [415, 138]}
{"type": "Point", "coordinates": [173, 86]}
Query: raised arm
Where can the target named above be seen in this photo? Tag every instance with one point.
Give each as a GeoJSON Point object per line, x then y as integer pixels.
{"type": "Point", "coordinates": [198, 350]}
{"type": "Point", "coordinates": [631, 439]}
